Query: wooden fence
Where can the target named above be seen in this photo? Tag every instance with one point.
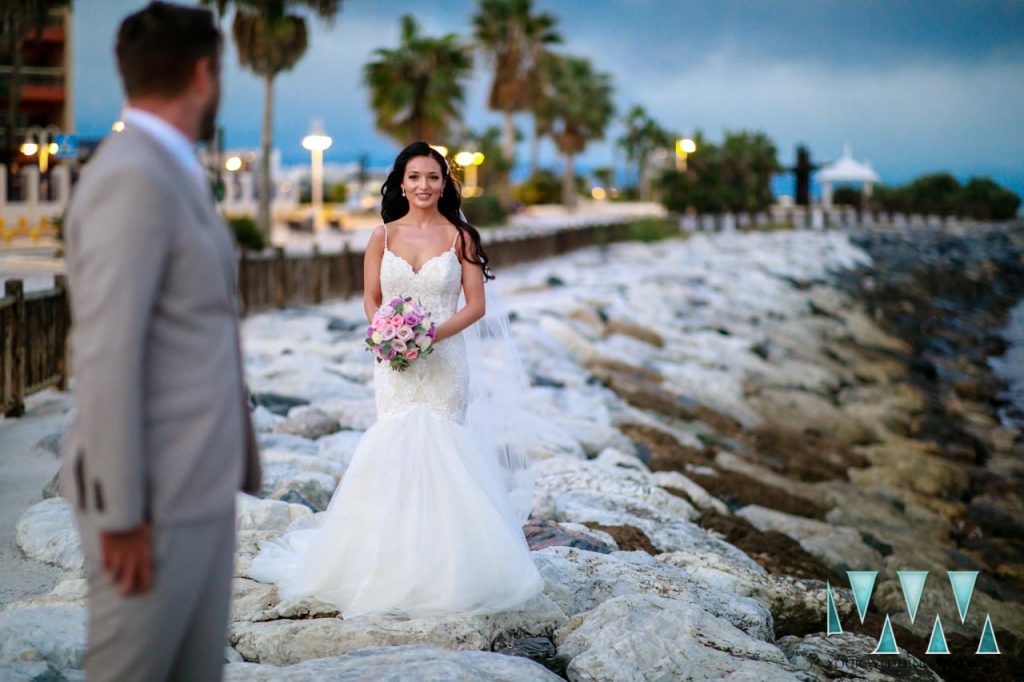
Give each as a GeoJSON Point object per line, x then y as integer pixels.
{"type": "Point", "coordinates": [34, 326]}
{"type": "Point", "coordinates": [33, 342]}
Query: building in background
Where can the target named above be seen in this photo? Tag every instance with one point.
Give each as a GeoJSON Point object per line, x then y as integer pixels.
{"type": "Point", "coordinates": [46, 98]}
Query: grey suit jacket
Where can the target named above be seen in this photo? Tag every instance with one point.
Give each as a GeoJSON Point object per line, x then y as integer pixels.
{"type": "Point", "coordinates": [162, 429]}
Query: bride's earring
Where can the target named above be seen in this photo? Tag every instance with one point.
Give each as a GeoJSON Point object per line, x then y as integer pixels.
{"type": "Point", "coordinates": [403, 191]}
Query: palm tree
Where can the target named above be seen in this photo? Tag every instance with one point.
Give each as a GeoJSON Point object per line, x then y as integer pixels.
{"type": "Point", "coordinates": [642, 137]}
{"type": "Point", "coordinates": [271, 39]}
{"type": "Point", "coordinates": [20, 20]}
{"type": "Point", "coordinates": [516, 40]}
{"type": "Point", "coordinates": [417, 89]}
{"type": "Point", "coordinates": [577, 109]}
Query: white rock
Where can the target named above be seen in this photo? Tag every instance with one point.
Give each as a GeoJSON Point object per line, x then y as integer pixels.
{"type": "Point", "coordinates": [70, 591]}
{"type": "Point", "coordinates": [47, 532]}
{"type": "Point", "coordinates": [614, 457]}
{"type": "Point", "coordinates": [645, 637]}
{"type": "Point", "coordinates": [840, 547]}
{"type": "Point", "coordinates": [849, 656]}
{"type": "Point", "coordinates": [264, 421]}
{"type": "Point", "coordinates": [666, 533]}
{"type": "Point", "coordinates": [565, 474]}
{"type": "Point", "coordinates": [357, 413]}
{"type": "Point", "coordinates": [339, 447]}
{"type": "Point", "coordinates": [578, 581]}
{"type": "Point", "coordinates": [797, 605]}
{"type": "Point", "coordinates": [254, 513]}
{"type": "Point", "coordinates": [397, 664]}
{"type": "Point", "coordinates": [308, 422]}
{"type": "Point", "coordinates": [53, 635]}
{"type": "Point", "coordinates": [694, 492]}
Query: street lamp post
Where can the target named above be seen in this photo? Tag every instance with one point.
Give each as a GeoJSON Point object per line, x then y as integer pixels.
{"type": "Point", "coordinates": [469, 162]}
{"type": "Point", "coordinates": [45, 146]}
{"type": "Point", "coordinates": [317, 142]}
{"type": "Point", "coordinates": [684, 147]}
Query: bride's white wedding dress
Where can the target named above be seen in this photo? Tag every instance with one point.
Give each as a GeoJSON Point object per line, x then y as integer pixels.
{"type": "Point", "coordinates": [421, 523]}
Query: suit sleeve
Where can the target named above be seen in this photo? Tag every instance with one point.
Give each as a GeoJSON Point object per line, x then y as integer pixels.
{"type": "Point", "coordinates": [121, 243]}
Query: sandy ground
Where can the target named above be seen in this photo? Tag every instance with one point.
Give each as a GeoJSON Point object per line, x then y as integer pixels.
{"type": "Point", "coordinates": [24, 471]}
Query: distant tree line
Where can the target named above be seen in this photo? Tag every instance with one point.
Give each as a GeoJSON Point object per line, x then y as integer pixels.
{"type": "Point", "coordinates": [940, 194]}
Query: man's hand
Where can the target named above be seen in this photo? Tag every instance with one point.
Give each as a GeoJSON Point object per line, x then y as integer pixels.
{"type": "Point", "coordinates": [128, 559]}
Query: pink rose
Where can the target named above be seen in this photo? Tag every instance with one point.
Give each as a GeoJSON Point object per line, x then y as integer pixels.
{"type": "Point", "coordinates": [385, 311]}
{"type": "Point", "coordinates": [399, 346]}
{"type": "Point", "coordinates": [387, 333]}
{"type": "Point", "coordinates": [432, 332]}
{"type": "Point", "coordinates": [395, 302]}
{"type": "Point", "coordinates": [411, 354]}
{"type": "Point", "coordinates": [370, 330]}
{"type": "Point", "coordinates": [397, 321]}
{"type": "Point", "coordinates": [412, 319]}
{"type": "Point", "coordinates": [405, 334]}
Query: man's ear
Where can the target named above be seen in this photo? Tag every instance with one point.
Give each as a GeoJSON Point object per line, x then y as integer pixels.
{"type": "Point", "coordinates": [203, 74]}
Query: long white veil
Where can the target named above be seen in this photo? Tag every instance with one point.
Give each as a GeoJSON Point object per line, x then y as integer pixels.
{"type": "Point", "coordinates": [498, 388]}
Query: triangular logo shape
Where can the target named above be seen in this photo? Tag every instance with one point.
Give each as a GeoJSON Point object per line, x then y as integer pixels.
{"type": "Point", "coordinates": [833, 625]}
{"type": "Point", "coordinates": [937, 642]}
{"type": "Point", "coordinates": [988, 643]}
{"type": "Point", "coordinates": [887, 641]}
{"type": "Point", "coordinates": [862, 583]}
{"type": "Point", "coordinates": [963, 589]}
{"type": "Point", "coordinates": [912, 586]}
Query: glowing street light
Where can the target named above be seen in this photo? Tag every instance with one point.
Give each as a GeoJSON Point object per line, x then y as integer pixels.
{"type": "Point", "coordinates": [684, 147]}
{"type": "Point", "coordinates": [233, 164]}
{"type": "Point", "coordinates": [118, 126]}
{"type": "Point", "coordinates": [43, 147]}
{"type": "Point", "coordinates": [440, 149]}
{"type": "Point", "coordinates": [317, 142]}
{"type": "Point", "coordinates": [469, 162]}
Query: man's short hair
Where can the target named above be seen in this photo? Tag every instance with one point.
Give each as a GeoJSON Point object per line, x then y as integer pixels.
{"type": "Point", "coordinates": [158, 47]}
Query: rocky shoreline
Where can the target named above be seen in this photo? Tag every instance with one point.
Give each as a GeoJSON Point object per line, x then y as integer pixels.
{"type": "Point", "coordinates": [725, 423]}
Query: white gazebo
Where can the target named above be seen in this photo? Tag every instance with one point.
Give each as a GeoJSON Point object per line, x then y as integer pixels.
{"type": "Point", "coordinates": [846, 169]}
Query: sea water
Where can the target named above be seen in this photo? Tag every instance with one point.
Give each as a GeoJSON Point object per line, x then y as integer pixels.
{"type": "Point", "coordinates": [1010, 368]}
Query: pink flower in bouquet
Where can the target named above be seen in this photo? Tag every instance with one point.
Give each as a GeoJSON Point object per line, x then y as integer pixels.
{"type": "Point", "coordinates": [432, 332]}
{"type": "Point", "coordinates": [395, 302]}
{"type": "Point", "coordinates": [412, 319]}
{"type": "Point", "coordinates": [399, 346]}
{"type": "Point", "coordinates": [412, 354]}
{"type": "Point", "coordinates": [397, 321]}
{"type": "Point", "coordinates": [370, 330]}
{"type": "Point", "coordinates": [385, 311]}
{"type": "Point", "coordinates": [387, 332]}
{"type": "Point", "coordinates": [405, 334]}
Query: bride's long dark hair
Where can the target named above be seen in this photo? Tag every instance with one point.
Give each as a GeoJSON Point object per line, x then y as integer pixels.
{"type": "Point", "coordinates": [394, 205]}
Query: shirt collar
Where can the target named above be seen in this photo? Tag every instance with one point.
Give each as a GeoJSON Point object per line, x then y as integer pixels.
{"type": "Point", "coordinates": [169, 137]}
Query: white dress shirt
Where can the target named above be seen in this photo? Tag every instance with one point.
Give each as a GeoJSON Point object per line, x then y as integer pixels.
{"type": "Point", "coordinates": [172, 139]}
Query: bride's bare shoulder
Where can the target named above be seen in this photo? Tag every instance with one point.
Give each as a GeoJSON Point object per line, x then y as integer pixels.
{"type": "Point", "coordinates": [377, 239]}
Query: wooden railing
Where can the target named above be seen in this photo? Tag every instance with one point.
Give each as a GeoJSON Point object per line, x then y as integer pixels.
{"type": "Point", "coordinates": [33, 342]}
{"type": "Point", "coordinates": [34, 326]}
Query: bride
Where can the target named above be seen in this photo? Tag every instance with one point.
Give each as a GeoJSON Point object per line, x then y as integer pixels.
{"type": "Point", "coordinates": [426, 520]}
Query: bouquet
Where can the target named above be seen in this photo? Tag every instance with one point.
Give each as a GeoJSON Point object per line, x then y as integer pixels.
{"type": "Point", "coordinates": [399, 333]}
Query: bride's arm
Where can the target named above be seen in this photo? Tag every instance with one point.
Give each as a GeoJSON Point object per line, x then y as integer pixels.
{"type": "Point", "coordinates": [371, 272]}
{"type": "Point", "coordinates": [473, 288]}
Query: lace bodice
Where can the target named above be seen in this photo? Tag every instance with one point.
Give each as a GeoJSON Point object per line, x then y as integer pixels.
{"type": "Point", "coordinates": [439, 380]}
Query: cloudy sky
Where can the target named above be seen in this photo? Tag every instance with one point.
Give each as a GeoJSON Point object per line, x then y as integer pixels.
{"type": "Point", "coordinates": [913, 86]}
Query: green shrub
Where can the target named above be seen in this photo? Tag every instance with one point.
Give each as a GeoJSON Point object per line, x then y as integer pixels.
{"type": "Point", "coordinates": [653, 229]}
{"type": "Point", "coordinates": [247, 234]}
{"type": "Point", "coordinates": [337, 193]}
{"type": "Point", "coordinates": [484, 210]}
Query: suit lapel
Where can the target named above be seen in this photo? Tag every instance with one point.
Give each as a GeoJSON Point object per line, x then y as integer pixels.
{"type": "Point", "coordinates": [205, 219]}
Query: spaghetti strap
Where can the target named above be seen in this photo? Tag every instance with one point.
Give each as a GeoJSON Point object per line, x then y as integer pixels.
{"type": "Point", "coordinates": [456, 238]}
{"type": "Point", "coordinates": [385, 225]}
